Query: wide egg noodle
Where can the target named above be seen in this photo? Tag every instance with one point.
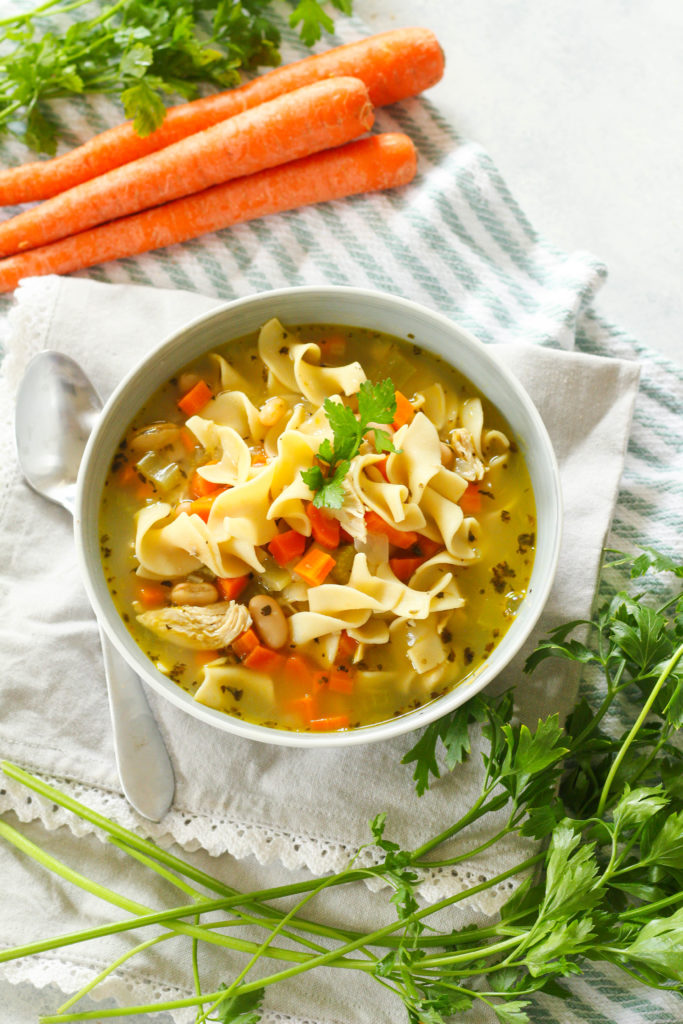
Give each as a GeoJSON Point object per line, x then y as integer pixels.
{"type": "Point", "coordinates": [223, 682]}
{"type": "Point", "coordinates": [242, 512]}
{"type": "Point", "coordinates": [229, 378]}
{"type": "Point", "coordinates": [389, 501]}
{"type": "Point", "coordinates": [431, 401]}
{"type": "Point", "coordinates": [296, 366]}
{"type": "Point", "coordinates": [473, 420]}
{"type": "Point", "coordinates": [230, 558]}
{"type": "Point", "coordinates": [234, 409]}
{"type": "Point", "coordinates": [157, 555]}
{"type": "Point", "coordinates": [234, 463]}
{"type": "Point", "coordinates": [418, 458]}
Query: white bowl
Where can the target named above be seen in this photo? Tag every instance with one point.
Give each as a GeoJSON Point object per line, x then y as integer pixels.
{"type": "Point", "coordinates": [358, 308]}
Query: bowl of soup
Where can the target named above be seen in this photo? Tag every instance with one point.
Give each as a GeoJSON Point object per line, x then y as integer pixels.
{"type": "Point", "coordinates": [319, 516]}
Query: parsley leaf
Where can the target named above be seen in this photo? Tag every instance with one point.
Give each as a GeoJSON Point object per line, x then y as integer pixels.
{"type": "Point", "coordinates": [376, 404]}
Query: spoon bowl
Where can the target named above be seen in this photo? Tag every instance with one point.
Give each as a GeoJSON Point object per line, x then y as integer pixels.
{"type": "Point", "coordinates": [56, 410]}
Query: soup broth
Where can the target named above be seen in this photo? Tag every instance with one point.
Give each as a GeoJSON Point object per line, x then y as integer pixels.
{"type": "Point", "coordinates": [278, 580]}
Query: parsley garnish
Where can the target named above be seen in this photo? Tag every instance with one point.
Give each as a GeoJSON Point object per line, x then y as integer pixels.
{"type": "Point", "coordinates": [376, 404]}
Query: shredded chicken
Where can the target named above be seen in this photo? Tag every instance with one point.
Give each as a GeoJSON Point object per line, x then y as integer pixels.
{"type": "Point", "coordinates": [467, 462]}
{"type": "Point", "coordinates": [201, 627]}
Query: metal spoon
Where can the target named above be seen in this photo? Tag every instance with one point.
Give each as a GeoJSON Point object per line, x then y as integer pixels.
{"type": "Point", "coordinates": [56, 410]}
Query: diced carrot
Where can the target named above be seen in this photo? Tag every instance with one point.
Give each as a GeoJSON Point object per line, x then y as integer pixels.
{"type": "Point", "coordinates": [195, 399]}
{"type": "Point", "coordinates": [404, 411]}
{"type": "Point", "coordinates": [204, 657]}
{"type": "Point", "coordinates": [304, 707]}
{"type": "Point", "coordinates": [340, 680]}
{"type": "Point", "coordinates": [344, 536]}
{"type": "Point", "coordinates": [144, 489]}
{"type": "Point", "coordinates": [403, 568]}
{"type": "Point", "coordinates": [325, 528]}
{"type": "Point", "coordinates": [347, 647]}
{"type": "Point", "coordinates": [470, 502]}
{"type": "Point", "coordinates": [232, 587]}
{"type": "Point", "coordinates": [127, 475]}
{"type": "Point", "coordinates": [298, 672]}
{"type": "Point", "coordinates": [287, 546]}
{"type": "Point", "coordinates": [314, 567]}
{"type": "Point", "coordinates": [200, 487]}
{"type": "Point", "coordinates": [262, 659]}
{"type": "Point", "coordinates": [258, 456]}
{"type": "Point", "coordinates": [329, 724]}
{"type": "Point", "coordinates": [188, 440]}
{"type": "Point", "coordinates": [245, 643]}
{"type": "Point", "coordinates": [428, 547]}
{"type": "Point", "coordinates": [399, 538]}
{"type": "Point", "coordinates": [333, 347]}
{"type": "Point", "coordinates": [152, 595]}
{"type": "Point", "coordinates": [202, 506]}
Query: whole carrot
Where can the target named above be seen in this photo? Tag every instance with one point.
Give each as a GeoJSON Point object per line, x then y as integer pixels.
{"type": "Point", "coordinates": [377, 162]}
{"type": "Point", "coordinates": [393, 65]}
{"type": "Point", "coordinates": [315, 117]}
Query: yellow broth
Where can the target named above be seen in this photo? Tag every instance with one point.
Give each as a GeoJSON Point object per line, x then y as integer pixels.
{"type": "Point", "coordinates": [369, 685]}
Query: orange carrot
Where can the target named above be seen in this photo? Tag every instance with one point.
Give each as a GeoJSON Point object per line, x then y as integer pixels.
{"type": "Point", "coordinates": [399, 538]}
{"type": "Point", "coordinates": [393, 65]}
{"type": "Point", "coordinates": [287, 546]}
{"type": "Point", "coordinates": [189, 441]}
{"type": "Point", "coordinates": [202, 506]}
{"type": "Point", "coordinates": [262, 659]}
{"type": "Point", "coordinates": [152, 595]}
{"type": "Point", "coordinates": [204, 657]}
{"type": "Point", "coordinates": [304, 707]}
{"type": "Point", "coordinates": [311, 119]}
{"type": "Point", "coordinates": [470, 502]}
{"type": "Point", "coordinates": [378, 162]}
{"type": "Point", "coordinates": [330, 724]}
{"type": "Point", "coordinates": [333, 347]}
{"type": "Point", "coordinates": [195, 399]}
{"type": "Point", "coordinates": [404, 411]}
{"type": "Point", "coordinates": [325, 528]}
{"type": "Point", "coordinates": [231, 588]}
{"type": "Point", "coordinates": [347, 647]}
{"type": "Point", "coordinates": [245, 643]}
{"type": "Point", "coordinates": [403, 568]}
{"type": "Point", "coordinates": [336, 680]}
{"type": "Point", "coordinates": [428, 547]}
{"type": "Point", "coordinates": [314, 567]}
{"type": "Point", "coordinates": [298, 673]}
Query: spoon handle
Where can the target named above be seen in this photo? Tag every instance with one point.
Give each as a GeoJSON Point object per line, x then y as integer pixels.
{"type": "Point", "coordinates": [142, 760]}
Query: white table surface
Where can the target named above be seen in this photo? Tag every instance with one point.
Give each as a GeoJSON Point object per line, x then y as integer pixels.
{"type": "Point", "coordinates": [580, 105]}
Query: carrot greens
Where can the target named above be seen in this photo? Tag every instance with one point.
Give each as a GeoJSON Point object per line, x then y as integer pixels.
{"type": "Point", "coordinates": [602, 794]}
{"type": "Point", "coordinates": [138, 50]}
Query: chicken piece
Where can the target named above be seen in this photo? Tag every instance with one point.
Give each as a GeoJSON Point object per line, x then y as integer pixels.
{"type": "Point", "coordinates": [201, 627]}
{"type": "Point", "coordinates": [467, 462]}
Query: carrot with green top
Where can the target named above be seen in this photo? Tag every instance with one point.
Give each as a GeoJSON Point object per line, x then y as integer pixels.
{"type": "Point", "coordinates": [379, 162]}
{"type": "Point", "coordinates": [311, 119]}
{"type": "Point", "coordinates": [393, 65]}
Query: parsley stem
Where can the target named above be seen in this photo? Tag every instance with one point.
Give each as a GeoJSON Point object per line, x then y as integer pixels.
{"type": "Point", "coordinates": [664, 675]}
{"type": "Point", "coordinates": [477, 810]}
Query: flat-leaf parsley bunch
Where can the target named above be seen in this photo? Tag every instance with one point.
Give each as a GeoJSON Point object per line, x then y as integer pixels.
{"type": "Point", "coordinates": [606, 883]}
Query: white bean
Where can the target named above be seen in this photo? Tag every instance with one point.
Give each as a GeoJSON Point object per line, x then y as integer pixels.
{"type": "Point", "coordinates": [186, 381]}
{"type": "Point", "coordinates": [269, 621]}
{"type": "Point", "coordinates": [187, 592]}
{"type": "Point", "coordinates": [447, 455]}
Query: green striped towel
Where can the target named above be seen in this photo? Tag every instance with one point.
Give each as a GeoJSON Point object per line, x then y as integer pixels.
{"type": "Point", "coordinates": [456, 241]}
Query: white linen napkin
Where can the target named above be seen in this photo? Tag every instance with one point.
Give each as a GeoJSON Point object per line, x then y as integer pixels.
{"type": "Point", "coordinates": [53, 713]}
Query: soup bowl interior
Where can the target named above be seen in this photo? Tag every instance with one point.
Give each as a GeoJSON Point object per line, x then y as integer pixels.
{"type": "Point", "coordinates": [353, 308]}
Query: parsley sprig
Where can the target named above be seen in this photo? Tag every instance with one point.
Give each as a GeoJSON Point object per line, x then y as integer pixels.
{"type": "Point", "coordinates": [141, 51]}
{"type": "Point", "coordinates": [376, 404]}
{"type": "Point", "coordinates": [602, 795]}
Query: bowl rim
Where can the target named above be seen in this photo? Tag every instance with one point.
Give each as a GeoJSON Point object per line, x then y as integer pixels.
{"type": "Point", "coordinates": [110, 620]}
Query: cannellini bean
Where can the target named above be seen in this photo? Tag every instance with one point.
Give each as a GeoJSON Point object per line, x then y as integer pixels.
{"type": "Point", "coordinates": [269, 621]}
{"type": "Point", "coordinates": [447, 455]}
{"type": "Point", "coordinates": [186, 381]}
{"type": "Point", "coordinates": [189, 592]}
{"type": "Point", "coordinates": [154, 437]}
{"type": "Point", "coordinates": [271, 411]}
